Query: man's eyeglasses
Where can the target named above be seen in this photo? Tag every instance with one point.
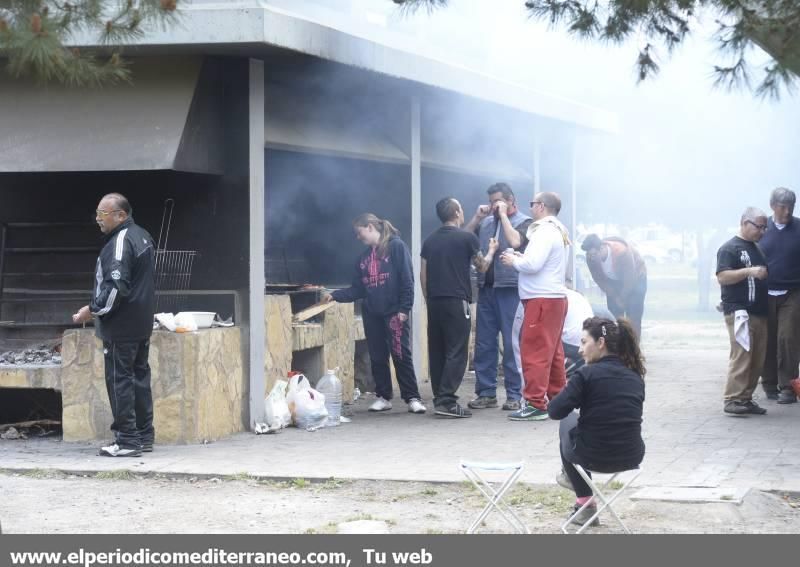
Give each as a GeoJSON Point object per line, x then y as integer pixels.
{"type": "Point", "coordinates": [533, 203]}
{"type": "Point", "coordinates": [100, 213]}
{"type": "Point", "coordinates": [758, 226]}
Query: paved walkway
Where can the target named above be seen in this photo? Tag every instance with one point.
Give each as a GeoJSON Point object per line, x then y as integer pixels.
{"type": "Point", "coordinates": [689, 441]}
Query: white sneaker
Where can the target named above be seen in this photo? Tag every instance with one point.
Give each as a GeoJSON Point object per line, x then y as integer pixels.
{"type": "Point", "coordinates": [117, 451]}
{"type": "Point", "coordinates": [415, 405]}
{"type": "Point", "coordinates": [380, 405]}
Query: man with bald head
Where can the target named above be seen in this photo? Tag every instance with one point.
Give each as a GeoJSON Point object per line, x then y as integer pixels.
{"type": "Point", "coordinates": [122, 306]}
{"type": "Point", "coordinates": [542, 291]}
{"type": "Point", "coordinates": [742, 276]}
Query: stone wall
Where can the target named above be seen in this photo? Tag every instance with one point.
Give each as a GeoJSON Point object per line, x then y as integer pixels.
{"type": "Point", "coordinates": [333, 333]}
{"type": "Point", "coordinates": [199, 388]}
{"type": "Point", "coordinates": [30, 376]}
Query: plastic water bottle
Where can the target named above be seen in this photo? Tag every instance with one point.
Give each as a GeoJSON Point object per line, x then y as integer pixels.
{"type": "Point", "coordinates": [331, 387]}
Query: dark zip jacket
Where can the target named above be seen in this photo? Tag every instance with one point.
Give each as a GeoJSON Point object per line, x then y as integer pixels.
{"type": "Point", "coordinates": [386, 283]}
{"type": "Point", "coordinates": [124, 298]}
{"type": "Point", "coordinates": [610, 396]}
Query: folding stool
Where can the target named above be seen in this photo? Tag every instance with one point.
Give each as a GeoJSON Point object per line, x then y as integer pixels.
{"type": "Point", "coordinates": [598, 494]}
{"type": "Point", "coordinates": [472, 470]}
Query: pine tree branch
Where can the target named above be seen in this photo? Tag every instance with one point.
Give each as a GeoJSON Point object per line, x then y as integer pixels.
{"type": "Point", "coordinates": [33, 36]}
{"type": "Point", "coordinates": [772, 25]}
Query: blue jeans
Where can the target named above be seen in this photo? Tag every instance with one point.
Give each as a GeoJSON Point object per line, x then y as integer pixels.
{"type": "Point", "coordinates": [496, 310]}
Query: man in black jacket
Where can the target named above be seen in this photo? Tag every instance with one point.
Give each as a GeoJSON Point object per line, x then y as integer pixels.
{"type": "Point", "coordinates": [781, 247]}
{"type": "Point", "coordinates": [122, 306]}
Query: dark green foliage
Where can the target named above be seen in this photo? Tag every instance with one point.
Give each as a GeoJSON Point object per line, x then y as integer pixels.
{"type": "Point", "coordinates": [33, 35]}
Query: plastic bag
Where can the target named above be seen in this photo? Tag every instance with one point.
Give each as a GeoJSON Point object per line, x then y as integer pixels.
{"type": "Point", "coordinates": [306, 405]}
{"type": "Point", "coordinates": [276, 410]}
{"type": "Point", "coordinates": [185, 322]}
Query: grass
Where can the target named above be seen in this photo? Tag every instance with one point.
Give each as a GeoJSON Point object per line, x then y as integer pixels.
{"type": "Point", "coordinates": [335, 483]}
{"type": "Point", "coordinates": [300, 483]}
{"type": "Point", "coordinates": [550, 499]}
{"type": "Point", "coordinates": [120, 474]}
{"type": "Point", "coordinates": [615, 485]}
{"type": "Point", "coordinates": [41, 473]}
{"type": "Point", "coordinates": [240, 476]}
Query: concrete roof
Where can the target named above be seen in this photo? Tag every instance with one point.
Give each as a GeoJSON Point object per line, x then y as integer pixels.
{"type": "Point", "coordinates": [250, 25]}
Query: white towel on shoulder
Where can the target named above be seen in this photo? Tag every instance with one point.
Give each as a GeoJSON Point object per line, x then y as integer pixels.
{"type": "Point", "coordinates": [741, 328]}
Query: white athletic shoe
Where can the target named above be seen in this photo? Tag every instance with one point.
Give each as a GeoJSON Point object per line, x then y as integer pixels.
{"type": "Point", "coordinates": [415, 405]}
{"type": "Point", "coordinates": [117, 451]}
{"type": "Point", "coordinates": [380, 405]}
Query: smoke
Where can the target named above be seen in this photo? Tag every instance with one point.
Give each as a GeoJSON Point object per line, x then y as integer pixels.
{"type": "Point", "coordinates": [686, 161]}
{"type": "Point", "coordinates": [685, 152]}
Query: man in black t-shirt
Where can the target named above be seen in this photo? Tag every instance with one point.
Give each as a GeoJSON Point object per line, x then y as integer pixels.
{"type": "Point", "coordinates": [742, 276]}
{"type": "Point", "coordinates": [444, 275]}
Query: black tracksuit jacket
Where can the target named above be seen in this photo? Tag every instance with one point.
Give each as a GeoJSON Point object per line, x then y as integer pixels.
{"type": "Point", "coordinates": [123, 302]}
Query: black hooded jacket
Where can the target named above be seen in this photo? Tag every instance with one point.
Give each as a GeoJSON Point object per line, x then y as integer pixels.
{"type": "Point", "coordinates": [386, 283]}
{"type": "Point", "coordinates": [124, 298]}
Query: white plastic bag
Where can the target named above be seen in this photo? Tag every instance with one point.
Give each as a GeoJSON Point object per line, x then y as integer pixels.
{"type": "Point", "coordinates": [276, 410]}
{"type": "Point", "coordinates": [166, 320]}
{"type": "Point", "coordinates": [186, 322]}
{"type": "Point", "coordinates": [306, 405]}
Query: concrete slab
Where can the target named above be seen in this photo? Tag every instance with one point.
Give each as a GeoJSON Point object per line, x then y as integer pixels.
{"type": "Point", "coordinates": [363, 527]}
{"type": "Point", "coordinates": [731, 494]}
{"type": "Point", "coordinates": [690, 442]}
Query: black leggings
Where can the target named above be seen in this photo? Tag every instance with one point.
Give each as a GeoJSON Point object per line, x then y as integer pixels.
{"type": "Point", "coordinates": [568, 455]}
{"type": "Point", "coordinates": [387, 336]}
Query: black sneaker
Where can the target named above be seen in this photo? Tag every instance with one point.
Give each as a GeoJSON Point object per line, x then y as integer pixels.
{"type": "Point", "coordinates": [453, 411]}
{"type": "Point", "coordinates": [754, 408]}
{"type": "Point", "coordinates": [147, 447]}
{"type": "Point", "coordinates": [736, 408]}
{"type": "Point", "coordinates": [483, 402]}
{"type": "Point", "coordinates": [786, 397]}
{"type": "Point", "coordinates": [771, 394]}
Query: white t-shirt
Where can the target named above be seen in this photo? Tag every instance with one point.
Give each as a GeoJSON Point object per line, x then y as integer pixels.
{"type": "Point", "coordinates": [578, 310]}
{"type": "Point", "coordinates": [542, 267]}
{"type": "Point", "coordinates": [608, 265]}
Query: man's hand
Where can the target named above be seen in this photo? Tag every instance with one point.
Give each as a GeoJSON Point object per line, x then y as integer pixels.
{"type": "Point", "coordinates": [507, 258]}
{"type": "Point", "coordinates": [326, 298]}
{"type": "Point", "coordinates": [83, 315]}
{"type": "Point", "coordinates": [493, 245]}
{"type": "Point", "coordinates": [501, 207]}
{"type": "Point", "coordinates": [759, 272]}
{"type": "Point", "coordinates": [402, 317]}
{"type": "Point", "coordinates": [482, 212]}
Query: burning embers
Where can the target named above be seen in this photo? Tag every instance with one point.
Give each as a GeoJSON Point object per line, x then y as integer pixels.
{"type": "Point", "coordinates": [38, 355]}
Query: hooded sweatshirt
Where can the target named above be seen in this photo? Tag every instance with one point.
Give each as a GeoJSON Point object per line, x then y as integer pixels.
{"type": "Point", "coordinates": [386, 283]}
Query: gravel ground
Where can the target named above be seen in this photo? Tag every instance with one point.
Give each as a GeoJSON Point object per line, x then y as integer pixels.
{"type": "Point", "coordinates": [119, 502]}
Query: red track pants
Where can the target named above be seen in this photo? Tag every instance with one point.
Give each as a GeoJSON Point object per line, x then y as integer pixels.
{"type": "Point", "coordinates": [541, 349]}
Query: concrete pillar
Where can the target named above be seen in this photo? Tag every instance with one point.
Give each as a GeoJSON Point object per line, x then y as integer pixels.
{"type": "Point", "coordinates": [573, 208]}
{"type": "Point", "coordinates": [417, 316]}
{"type": "Point", "coordinates": [537, 166]}
{"type": "Point", "coordinates": [257, 335]}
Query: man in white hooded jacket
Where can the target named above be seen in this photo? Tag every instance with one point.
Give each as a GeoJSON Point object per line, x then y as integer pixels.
{"type": "Point", "coordinates": [542, 291]}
